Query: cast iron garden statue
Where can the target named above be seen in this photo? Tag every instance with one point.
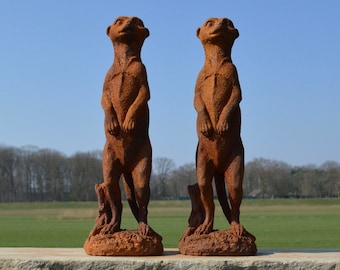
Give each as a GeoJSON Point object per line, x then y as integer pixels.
{"type": "Point", "coordinates": [220, 153]}
{"type": "Point", "coordinates": [127, 150]}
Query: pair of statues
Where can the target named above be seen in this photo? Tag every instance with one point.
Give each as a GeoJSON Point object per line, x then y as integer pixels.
{"type": "Point", "coordinates": [128, 153]}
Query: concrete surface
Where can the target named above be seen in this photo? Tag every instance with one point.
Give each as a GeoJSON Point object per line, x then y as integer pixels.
{"type": "Point", "coordinates": [75, 258]}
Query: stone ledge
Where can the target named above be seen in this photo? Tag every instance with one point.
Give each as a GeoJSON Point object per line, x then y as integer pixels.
{"type": "Point", "coordinates": [75, 258]}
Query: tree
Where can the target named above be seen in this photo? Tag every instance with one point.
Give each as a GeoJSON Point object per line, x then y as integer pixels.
{"type": "Point", "coordinates": [269, 178]}
{"type": "Point", "coordinates": [257, 177]}
{"type": "Point", "coordinates": [331, 181]}
{"type": "Point", "coordinates": [10, 181]}
{"type": "Point", "coordinates": [85, 172]}
{"type": "Point", "coordinates": [252, 180]}
{"type": "Point", "coordinates": [177, 185]}
{"type": "Point", "coordinates": [51, 174]}
{"type": "Point", "coordinates": [309, 180]}
{"type": "Point", "coordinates": [29, 173]}
{"type": "Point", "coordinates": [163, 168]}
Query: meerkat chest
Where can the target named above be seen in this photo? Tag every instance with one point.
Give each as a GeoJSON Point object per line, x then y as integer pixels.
{"type": "Point", "coordinates": [216, 89]}
{"type": "Point", "coordinates": [124, 87]}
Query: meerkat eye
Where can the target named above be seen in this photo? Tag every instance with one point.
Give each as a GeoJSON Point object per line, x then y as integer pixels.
{"type": "Point", "coordinates": [118, 22]}
{"type": "Point", "coordinates": [209, 23]}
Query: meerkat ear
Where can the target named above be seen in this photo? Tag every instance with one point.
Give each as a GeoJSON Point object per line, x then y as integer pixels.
{"type": "Point", "coordinates": [198, 32]}
{"type": "Point", "coordinates": [108, 30]}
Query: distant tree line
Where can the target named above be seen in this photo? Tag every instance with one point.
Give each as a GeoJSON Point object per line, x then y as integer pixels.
{"type": "Point", "coordinates": [275, 179]}
{"type": "Point", "coordinates": [30, 174]}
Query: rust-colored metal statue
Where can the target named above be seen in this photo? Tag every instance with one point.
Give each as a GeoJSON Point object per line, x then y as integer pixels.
{"type": "Point", "coordinates": [220, 153]}
{"type": "Point", "coordinates": [127, 150]}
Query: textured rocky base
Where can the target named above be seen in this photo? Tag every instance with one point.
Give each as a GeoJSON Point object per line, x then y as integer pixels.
{"type": "Point", "coordinates": [124, 243]}
{"type": "Point", "coordinates": [218, 243]}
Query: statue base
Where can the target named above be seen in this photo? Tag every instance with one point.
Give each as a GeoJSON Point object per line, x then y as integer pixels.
{"type": "Point", "coordinates": [218, 243]}
{"type": "Point", "coordinates": [124, 243]}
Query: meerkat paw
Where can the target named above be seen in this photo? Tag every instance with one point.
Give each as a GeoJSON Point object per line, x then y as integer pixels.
{"type": "Point", "coordinates": [203, 229]}
{"type": "Point", "coordinates": [143, 228]}
{"type": "Point", "coordinates": [236, 228]}
{"type": "Point", "coordinates": [110, 228]}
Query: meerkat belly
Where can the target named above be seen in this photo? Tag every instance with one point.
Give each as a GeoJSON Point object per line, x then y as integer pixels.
{"type": "Point", "coordinates": [216, 90]}
{"type": "Point", "coordinates": [133, 149]}
{"type": "Point", "coordinates": [129, 149]}
{"type": "Point", "coordinates": [217, 150]}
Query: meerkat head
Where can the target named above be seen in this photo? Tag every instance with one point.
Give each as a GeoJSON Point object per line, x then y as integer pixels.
{"type": "Point", "coordinates": [127, 29]}
{"type": "Point", "coordinates": [217, 31]}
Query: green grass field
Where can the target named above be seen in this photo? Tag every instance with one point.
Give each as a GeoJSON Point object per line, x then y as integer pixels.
{"type": "Point", "coordinates": [307, 223]}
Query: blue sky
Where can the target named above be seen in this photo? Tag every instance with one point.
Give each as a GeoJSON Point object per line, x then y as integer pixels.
{"type": "Point", "coordinates": [54, 56]}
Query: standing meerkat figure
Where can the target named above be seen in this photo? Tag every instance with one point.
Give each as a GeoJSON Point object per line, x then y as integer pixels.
{"type": "Point", "coordinates": [220, 153]}
{"type": "Point", "coordinates": [127, 150]}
